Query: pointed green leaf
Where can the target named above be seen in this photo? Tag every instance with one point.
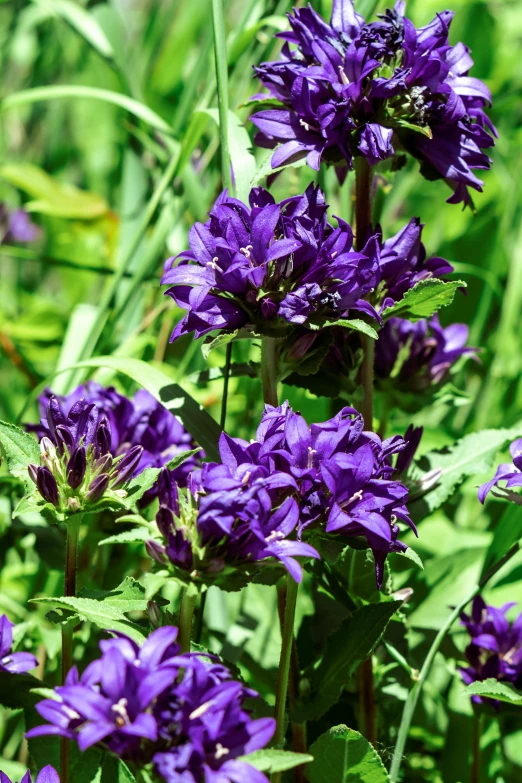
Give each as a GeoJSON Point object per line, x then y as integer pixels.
{"type": "Point", "coordinates": [272, 760]}
{"type": "Point", "coordinates": [21, 449]}
{"type": "Point", "coordinates": [424, 299]}
{"type": "Point", "coordinates": [342, 755]}
{"type": "Point", "coordinates": [493, 689]}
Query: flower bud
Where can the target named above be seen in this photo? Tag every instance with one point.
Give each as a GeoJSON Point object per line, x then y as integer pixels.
{"type": "Point", "coordinates": [33, 473]}
{"type": "Point", "coordinates": [164, 521]}
{"type": "Point", "coordinates": [47, 485]}
{"type": "Point", "coordinates": [126, 467]}
{"type": "Point", "coordinates": [156, 551]}
{"type": "Point", "coordinates": [54, 415]}
{"type": "Point", "coordinates": [154, 614]}
{"type": "Point", "coordinates": [104, 464]}
{"type": "Point", "coordinates": [103, 438]}
{"type": "Point", "coordinates": [168, 492]}
{"type": "Point", "coordinates": [64, 439]}
{"type": "Point", "coordinates": [76, 468]}
{"type": "Point", "coordinates": [97, 488]}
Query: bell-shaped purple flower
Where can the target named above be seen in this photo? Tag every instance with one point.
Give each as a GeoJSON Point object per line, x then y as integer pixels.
{"type": "Point", "coordinates": [13, 662]}
{"type": "Point", "coordinates": [511, 473]}
{"type": "Point", "coordinates": [350, 88]}
{"type": "Point", "coordinates": [47, 775]}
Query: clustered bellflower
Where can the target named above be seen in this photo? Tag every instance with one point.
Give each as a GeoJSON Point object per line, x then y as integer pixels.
{"type": "Point", "coordinates": [511, 473]}
{"type": "Point", "coordinates": [47, 775]}
{"type": "Point", "coordinates": [419, 355]}
{"type": "Point", "coordinates": [77, 468]}
{"type": "Point", "coordinates": [181, 712]}
{"type": "Point", "coordinates": [13, 662]}
{"type": "Point", "coordinates": [352, 89]}
{"type": "Point", "coordinates": [16, 226]}
{"type": "Point", "coordinates": [140, 421]}
{"type": "Point", "coordinates": [281, 269]}
{"type": "Point", "coordinates": [495, 649]}
{"type": "Point", "coordinates": [339, 480]}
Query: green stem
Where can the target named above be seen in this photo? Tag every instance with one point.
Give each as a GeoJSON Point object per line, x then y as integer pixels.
{"type": "Point", "coordinates": [477, 730]}
{"type": "Point", "coordinates": [71, 557]}
{"type": "Point", "coordinates": [220, 54]}
{"type": "Point", "coordinates": [284, 662]}
{"type": "Point", "coordinates": [226, 379]}
{"type": "Point", "coordinates": [413, 696]}
{"type": "Point", "coordinates": [186, 615]}
{"type": "Point", "coordinates": [269, 370]}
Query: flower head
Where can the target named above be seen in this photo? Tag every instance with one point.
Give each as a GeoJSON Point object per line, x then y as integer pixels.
{"type": "Point", "coordinates": [76, 467]}
{"type": "Point", "coordinates": [511, 473]}
{"type": "Point", "coordinates": [17, 662]}
{"type": "Point", "coordinates": [46, 775]}
{"type": "Point", "coordinates": [140, 421]}
{"type": "Point", "coordinates": [495, 649]}
{"type": "Point", "coordinates": [15, 226]}
{"type": "Point", "coordinates": [279, 269]}
{"type": "Point", "coordinates": [181, 711]}
{"type": "Point", "coordinates": [419, 355]}
{"type": "Point", "coordinates": [350, 88]}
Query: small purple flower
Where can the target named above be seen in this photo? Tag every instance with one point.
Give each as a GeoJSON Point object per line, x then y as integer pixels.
{"type": "Point", "coordinates": [46, 775]}
{"type": "Point", "coordinates": [15, 226]}
{"type": "Point", "coordinates": [419, 355]}
{"type": "Point", "coordinates": [140, 421]}
{"type": "Point", "coordinates": [495, 649]}
{"type": "Point", "coordinates": [276, 269]}
{"type": "Point", "coordinates": [352, 88]}
{"type": "Point", "coordinates": [182, 712]}
{"type": "Point", "coordinates": [13, 662]}
{"type": "Point", "coordinates": [511, 473]}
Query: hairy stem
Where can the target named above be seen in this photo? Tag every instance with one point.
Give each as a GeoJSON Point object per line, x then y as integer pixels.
{"type": "Point", "coordinates": [477, 731]}
{"type": "Point", "coordinates": [71, 557]}
{"type": "Point", "coordinates": [284, 663]}
{"type": "Point", "coordinates": [186, 615]}
{"type": "Point", "coordinates": [269, 370]}
{"type": "Point", "coordinates": [226, 378]}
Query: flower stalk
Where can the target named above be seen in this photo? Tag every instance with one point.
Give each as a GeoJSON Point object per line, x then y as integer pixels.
{"type": "Point", "coordinates": [284, 663]}
{"type": "Point", "coordinates": [186, 616]}
{"type": "Point", "coordinates": [477, 731]}
{"type": "Point", "coordinates": [269, 370]}
{"type": "Point", "coordinates": [71, 558]}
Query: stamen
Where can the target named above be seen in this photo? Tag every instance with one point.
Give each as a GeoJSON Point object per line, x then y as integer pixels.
{"type": "Point", "coordinates": [220, 751]}
{"type": "Point", "coordinates": [311, 453]}
{"type": "Point", "coordinates": [304, 124]}
{"type": "Point", "coordinates": [214, 265]}
{"type": "Point", "coordinates": [199, 711]}
{"type": "Point", "coordinates": [275, 535]}
{"type": "Point", "coordinates": [120, 709]}
{"type": "Point", "coordinates": [343, 76]}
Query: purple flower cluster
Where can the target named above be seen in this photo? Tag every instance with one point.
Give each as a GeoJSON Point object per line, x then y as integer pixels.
{"type": "Point", "coordinates": [142, 421]}
{"type": "Point", "coordinates": [46, 775]}
{"type": "Point", "coordinates": [511, 473]}
{"type": "Point", "coordinates": [340, 479]}
{"type": "Point", "coordinates": [243, 516]}
{"type": "Point", "coordinates": [272, 268]}
{"type": "Point", "coordinates": [181, 712]}
{"type": "Point", "coordinates": [15, 663]}
{"type": "Point", "coordinates": [15, 226]}
{"type": "Point", "coordinates": [351, 88]}
{"type": "Point", "coordinates": [495, 649]}
{"type": "Point", "coordinates": [419, 355]}
{"type": "Point", "coordinates": [77, 468]}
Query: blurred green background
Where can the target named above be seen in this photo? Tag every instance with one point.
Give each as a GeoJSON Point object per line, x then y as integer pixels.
{"type": "Point", "coordinates": [86, 169]}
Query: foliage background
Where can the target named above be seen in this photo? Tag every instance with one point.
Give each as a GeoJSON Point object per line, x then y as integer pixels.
{"type": "Point", "coordinates": [160, 54]}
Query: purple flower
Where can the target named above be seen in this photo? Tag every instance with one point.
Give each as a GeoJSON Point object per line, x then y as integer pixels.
{"type": "Point", "coordinates": [76, 465]}
{"type": "Point", "coordinates": [15, 226]}
{"type": "Point", "coordinates": [142, 421]}
{"type": "Point", "coordinates": [510, 473]}
{"type": "Point", "coordinates": [277, 268]}
{"type": "Point", "coordinates": [351, 88]}
{"type": "Point", "coordinates": [17, 662]}
{"type": "Point", "coordinates": [46, 775]}
{"type": "Point", "coordinates": [182, 712]}
{"type": "Point", "coordinates": [419, 355]}
{"type": "Point", "coordinates": [495, 649]}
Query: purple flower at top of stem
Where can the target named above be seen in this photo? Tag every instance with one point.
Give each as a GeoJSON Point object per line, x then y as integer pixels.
{"type": "Point", "coordinates": [350, 88]}
{"type": "Point", "coordinates": [76, 467]}
{"type": "Point", "coordinates": [140, 421]}
{"type": "Point", "coordinates": [47, 775]}
{"type": "Point", "coordinates": [511, 473]}
{"type": "Point", "coordinates": [16, 226]}
{"type": "Point", "coordinates": [495, 649]}
{"type": "Point", "coordinates": [277, 268]}
{"type": "Point", "coordinates": [419, 355]}
{"type": "Point", "coordinates": [13, 662]}
{"type": "Point", "coordinates": [182, 712]}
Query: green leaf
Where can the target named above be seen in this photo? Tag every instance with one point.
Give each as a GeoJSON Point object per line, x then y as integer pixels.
{"type": "Point", "coordinates": [273, 760]}
{"type": "Point", "coordinates": [53, 92]}
{"type": "Point", "coordinates": [424, 129]}
{"type": "Point", "coordinates": [128, 537]}
{"type": "Point", "coordinates": [266, 170]}
{"type": "Point", "coordinates": [473, 455]}
{"type": "Point", "coordinates": [246, 37]}
{"type": "Point", "coordinates": [241, 157]}
{"type": "Point", "coordinates": [82, 21]}
{"type": "Point", "coordinates": [507, 533]}
{"type": "Point", "coordinates": [21, 449]}
{"type": "Point", "coordinates": [53, 197]}
{"type": "Point", "coordinates": [204, 429]}
{"type": "Point", "coordinates": [352, 643]}
{"type": "Point", "coordinates": [342, 755]}
{"type": "Point", "coordinates": [493, 689]}
{"type": "Point", "coordinates": [211, 343]}
{"type": "Point", "coordinates": [106, 610]}
{"type": "Point", "coordinates": [412, 555]}
{"type": "Point", "coordinates": [356, 325]}
{"type": "Point", "coordinates": [148, 477]}
{"type": "Point", "coordinates": [424, 299]}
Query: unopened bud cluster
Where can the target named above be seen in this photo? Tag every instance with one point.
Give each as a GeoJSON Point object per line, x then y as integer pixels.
{"type": "Point", "coordinates": [77, 469]}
